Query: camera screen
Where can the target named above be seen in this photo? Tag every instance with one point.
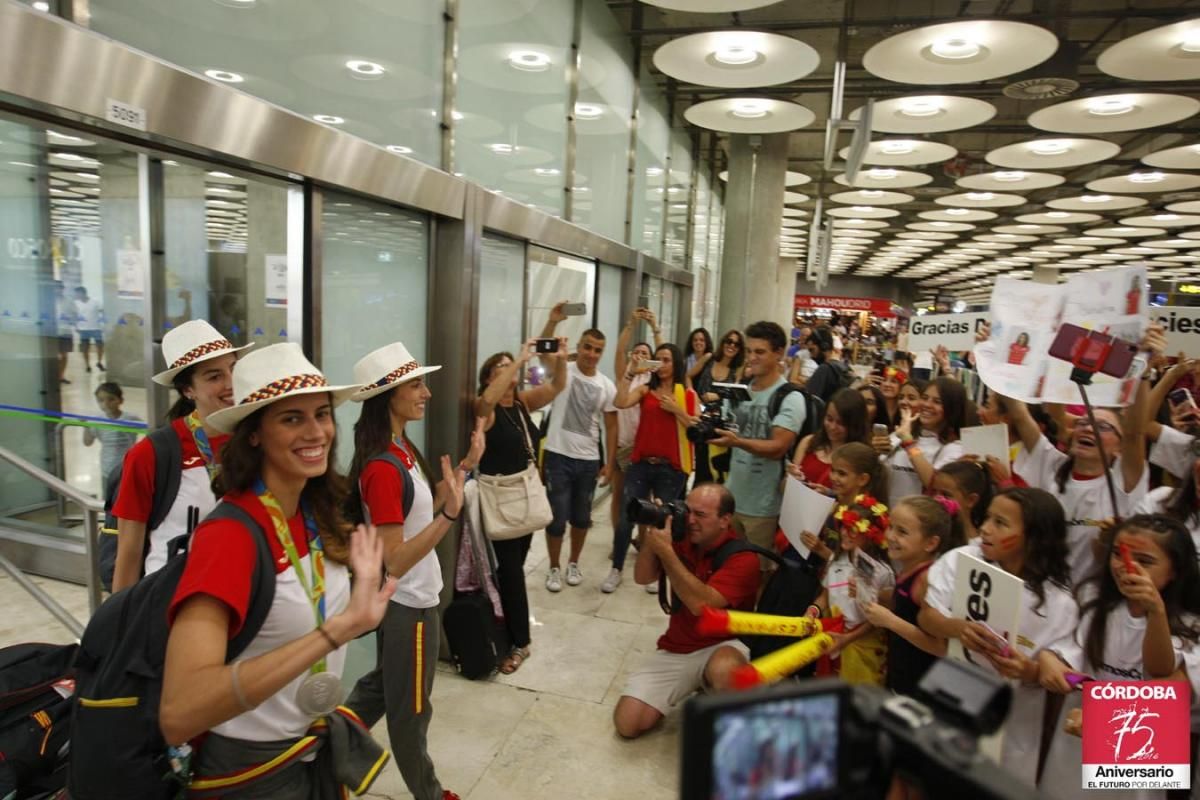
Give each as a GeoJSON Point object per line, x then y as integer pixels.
{"type": "Point", "coordinates": [777, 750]}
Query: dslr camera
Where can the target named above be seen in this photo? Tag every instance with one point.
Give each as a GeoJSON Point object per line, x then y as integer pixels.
{"type": "Point", "coordinates": [712, 416]}
{"type": "Point", "coordinates": [644, 512]}
{"type": "Point", "coordinates": [810, 739]}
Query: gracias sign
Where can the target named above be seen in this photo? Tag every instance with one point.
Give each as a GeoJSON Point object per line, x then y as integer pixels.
{"type": "Point", "coordinates": [954, 331]}
{"type": "Point", "coordinates": [1183, 328]}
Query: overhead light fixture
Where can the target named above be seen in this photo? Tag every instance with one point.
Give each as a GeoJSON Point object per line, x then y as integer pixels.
{"type": "Point", "coordinates": [588, 111]}
{"type": "Point", "coordinates": [399, 149]}
{"type": "Point", "coordinates": [1146, 177]}
{"type": "Point", "coordinates": [64, 137]}
{"type": "Point", "coordinates": [329, 119]}
{"type": "Point", "coordinates": [502, 148]}
{"type": "Point", "coordinates": [224, 76]}
{"type": "Point", "coordinates": [958, 212]}
{"type": "Point", "coordinates": [895, 147]}
{"type": "Point", "coordinates": [546, 171]}
{"type": "Point", "coordinates": [219, 175]}
{"type": "Point", "coordinates": [872, 193]}
{"type": "Point", "coordinates": [365, 69]}
{"type": "Point", "coordinates": [955, 48]}
{"type": "Point", "coordinates": [1049, 147]}
{"type": "Point", "coordinates": [750, 108]}
{"type": "Point", "coordinates": [1095, 198]}
{"type": "Point", "coordinates": [979, 196]}
{"type": "Point", "coordinates": [1110, 106]}
{"type": "Point", "coordinates": [1009, 176]}
{"type": "Point", "coordinates": [1190, 44]}
{"type": "Point", "coordinates": [735, 53]}
{"type": "Point", "coordinates": [877, 174]}
{"type": "Point", "coordinates": [1166, 217]}
{"type": "Point", "coordinates": [529, 60]}
{"type": "Point", "coordinates": [919, 107]}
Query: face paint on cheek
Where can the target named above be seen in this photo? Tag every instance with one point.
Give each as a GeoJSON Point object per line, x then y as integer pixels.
{"type": "Point", "coordinates": [1009, 543]}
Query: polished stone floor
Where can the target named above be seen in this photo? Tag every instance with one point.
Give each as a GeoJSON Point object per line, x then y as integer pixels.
{"type": "Point", "coordinates": [543, 732]}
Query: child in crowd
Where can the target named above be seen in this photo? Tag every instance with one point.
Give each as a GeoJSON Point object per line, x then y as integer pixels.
{"type": "Point", "coordinates": [922, 529]}
{"type": "Point", "coordinates": [926, 439]}
{"type": "Point", "coordinates": [970, 486]}
{"type": "Point", "coordinates": [113, 443]}
{"type": "Point", "coordinates": [845, 421]}
{"type": "Point", "coordinates": [1139, 622]}
{"type": "Point", "coordinates": [1025, 534]}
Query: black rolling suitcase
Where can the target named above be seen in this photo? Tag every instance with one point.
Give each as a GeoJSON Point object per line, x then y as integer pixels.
{"type": "Point", "coordinates": [474, 635]}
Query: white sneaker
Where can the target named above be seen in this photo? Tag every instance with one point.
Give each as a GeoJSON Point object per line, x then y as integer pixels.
{"type": "Point", "coordinates": [554, 580]}
{"type": "Point", "coordinates": [574, 576]}
{"type": "Point", "coordinates": [652, 588]}
{"type": "Point", "coordinates": [611, 582]}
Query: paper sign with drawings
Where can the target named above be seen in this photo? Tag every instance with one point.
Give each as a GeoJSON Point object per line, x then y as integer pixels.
{"type": "Point", "coordinates": [1026, 317]}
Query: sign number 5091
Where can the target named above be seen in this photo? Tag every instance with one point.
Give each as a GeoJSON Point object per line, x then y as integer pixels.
{"type": "Point", "coordinates": [125, 115]}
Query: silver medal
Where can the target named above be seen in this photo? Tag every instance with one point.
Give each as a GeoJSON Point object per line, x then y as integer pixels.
{"type": "Point", "coordinates": [319, 694]}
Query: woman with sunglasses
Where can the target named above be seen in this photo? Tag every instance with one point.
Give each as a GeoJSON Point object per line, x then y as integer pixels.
{"type": "Point", "coordinates": [1077, 477]}
{"type": "Point", "coordinates": [722, 366]}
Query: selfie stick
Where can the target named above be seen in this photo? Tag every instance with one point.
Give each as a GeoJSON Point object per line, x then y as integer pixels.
{"type": "Point", "coordinates": [1082, 376]}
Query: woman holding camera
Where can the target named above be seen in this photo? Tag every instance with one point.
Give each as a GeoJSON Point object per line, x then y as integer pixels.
{"type": "Point", "coordinates": [512, 442]}
{"type": "Point", "coordinates": [722, 366]}
{"type": "Point", "coordinates": [662, 455]}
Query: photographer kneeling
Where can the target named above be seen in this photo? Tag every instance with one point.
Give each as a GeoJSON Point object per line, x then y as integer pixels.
{"type": "Point", "coordinates": [685, 660]}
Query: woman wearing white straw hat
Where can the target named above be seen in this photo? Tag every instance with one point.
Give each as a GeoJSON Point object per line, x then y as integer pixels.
{"type": "Point", "coordinates": [264, 715]}
{"type": "Point", "coordinates": [200, 368]}
{"type": "Point", "coordinates": [411, 520]}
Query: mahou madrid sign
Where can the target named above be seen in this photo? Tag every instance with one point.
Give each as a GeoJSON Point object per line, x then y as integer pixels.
{"type": "Point", "coordinates": [873, 305]}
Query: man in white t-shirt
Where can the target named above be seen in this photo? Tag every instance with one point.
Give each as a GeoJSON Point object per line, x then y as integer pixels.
{"type": "Point", "coordinates": [574, 459]}
{"type": "Point", "coordinates": [87, 322]}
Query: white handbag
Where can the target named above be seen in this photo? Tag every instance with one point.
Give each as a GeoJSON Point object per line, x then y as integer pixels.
{"type": "Point", "coordinates": [514, 505]}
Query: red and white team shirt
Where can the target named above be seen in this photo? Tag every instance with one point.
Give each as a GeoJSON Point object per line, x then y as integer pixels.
{"type": "Point", "coordinates": [195, 498]}
{"type": "Point", "coordinates": [221, 565]}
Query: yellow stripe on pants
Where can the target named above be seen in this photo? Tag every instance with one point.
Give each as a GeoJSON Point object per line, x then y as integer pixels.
{"type": "Point", "coordinates": [419, 672]}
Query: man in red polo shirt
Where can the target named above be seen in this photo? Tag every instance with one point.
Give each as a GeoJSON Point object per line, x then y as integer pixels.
{"type": "Point", "coordinates": [685, 660]}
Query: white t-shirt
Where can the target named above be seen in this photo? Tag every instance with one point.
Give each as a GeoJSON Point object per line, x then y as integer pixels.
{"type": "Point", "coordinates": [1124, 634]}
{"type": "Point", "coordinates": [1084, 502]}
{"type": "Point", "coordinates": [88, 312]}
{"type": "Point", "coordinates": [1173, 452]}
{"type": "Point", "coordinates": [903, 480]}
{"type": "Point", "coordinates": [421, 586]}
{"type": "Point", "coordinates": [628, 418]}
{"type": "Point", "coordinates": [1155, 502]}
{"type": "Point", "coordinates": [577, 415]}
{"type": "Point", "coordinates": [1049, 627]}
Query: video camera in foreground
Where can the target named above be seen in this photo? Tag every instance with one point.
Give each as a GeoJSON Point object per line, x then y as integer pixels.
{"type": "Point", "coordinates": [713, 419]}
{"type": "Point", "coordinates": [824, 739]}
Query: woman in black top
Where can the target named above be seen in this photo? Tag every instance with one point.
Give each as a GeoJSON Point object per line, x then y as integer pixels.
{"type": "Point", "coordinates": [512, 440]}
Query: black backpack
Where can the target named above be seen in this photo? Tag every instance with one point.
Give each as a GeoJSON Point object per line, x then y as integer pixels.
{"type": "Point", "coordinates": [814, 413]}
{"type": "Point", "coordinates": [34, 718]}
{"type": "Point", "coordinates": [168, 471]}
{"type": "Point", "coordinates": [117, 748]}
{"type": "Point", "coordinates": [356, 509]}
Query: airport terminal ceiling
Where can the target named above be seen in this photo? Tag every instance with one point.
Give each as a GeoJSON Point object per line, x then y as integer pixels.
{"type": "Point", "coordinates": [994, 148]}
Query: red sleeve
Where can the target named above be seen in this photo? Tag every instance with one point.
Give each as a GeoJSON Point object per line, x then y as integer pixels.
{"type": "Point", "coordinates": [383, 492]}
{"type": "Point", "coordinates": [220, 564]}
{"type": "Point", "coordinates": [737, 580]}
{"type": "Point", "coordinates": [136, 493]}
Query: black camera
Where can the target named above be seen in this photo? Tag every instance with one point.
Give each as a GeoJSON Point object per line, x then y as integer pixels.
{"type": "Point", "coordinates": [644, 512]}
{"type": "Point", "coordinates": [709, 425]}
{"type": "Point", "coordinates": [823, 739]}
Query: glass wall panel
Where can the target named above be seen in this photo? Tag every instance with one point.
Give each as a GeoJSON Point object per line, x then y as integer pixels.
{"type": "Point", "coordinates": [608, 312]}
{"type": "Point", "coordinates": [650, 176]}
{"type": "Point", "coordinates": [501, 296]}
{"type": "Point", "coordinates": [666, 314]}
{"type": "Point", "coordinates": [553, 277]}
{"type": "Point", "coordinates": [373, 64]}
{"type": "Point", "coordinates": [677, 191]}
{"type": "Point", "coordinates": [602, 123]}
{"type": "Point", "coordinates": [375, 267]}
{"type": "Point", "coordinates": [512, 93]}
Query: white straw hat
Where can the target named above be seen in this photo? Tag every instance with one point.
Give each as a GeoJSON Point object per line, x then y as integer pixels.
{"type": "Point", "coordinates": [190, 343]}
{"type": "Point", "coordinates": [270, 374]}
{"type": "Point", "coordinates": [380, 370]}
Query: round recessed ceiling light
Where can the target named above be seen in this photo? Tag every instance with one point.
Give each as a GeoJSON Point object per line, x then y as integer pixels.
{"type": "Point", "coordinates": [502, 148]}
{"type": "Point", "coordinates": [963, 51]}
{"type": "Point", "coordinates": [750, 108]}
{"type": "Point", "coordinates": [1115, 113]}
{"type": "Point", "coordinates": [955, 48]}
{"type": "Point", "coordinates": [1011, 176]}
{"type": "Point", "coordinates": [920, 107]}
{"type": "Point", "coordinates": [328, 119]}
{"type": "Point", "coordinates": [980, 195]}
{"type": "Point", "coordinates": [958, 212]}
{"type": "Point", "coordinates": [399, 149]}
{"type": "Point", "coordinates": [365, 69]}
{"type": "Point", "coordinates": [551, 171]}
{"type": "Point", "coordinates": [1147, 177]}
{"type": "Point", "coordinates": [588, 111]}
{"type": "Point", "coordinates": [1190, 43]}
{"type": "Point", "coordinates": [882, 174]}
{"type": "Point", "coordinates": [733, 59]}
{"type": "Point", "coordinates": [224, 76]}
{"type": "Point", "coordinates": [749, 115]}
{"type": "Point", "coordinates": [895, 147]}
{"type": "Point", "coordinates": [1110, 106]}
{"type": "Point", "coordinates": [1049, 147]}
{"type": "Point", "coordinates": [529, 60]}
{"type": "Point", "coordinates": [735, 54]}
{"type": "Point", "coordinates": [1166, 53]}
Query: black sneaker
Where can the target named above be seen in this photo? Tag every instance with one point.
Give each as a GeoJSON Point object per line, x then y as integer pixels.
{"type": "Point", "coordinates": [89, 369]}
{"type": "Point", "coordinates": [100, 366]}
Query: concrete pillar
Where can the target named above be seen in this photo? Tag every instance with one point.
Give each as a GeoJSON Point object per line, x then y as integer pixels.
{"type": "Point", "coordinates": [1045, 274]}
{"type": "Point", "coordinates": [750, 265]}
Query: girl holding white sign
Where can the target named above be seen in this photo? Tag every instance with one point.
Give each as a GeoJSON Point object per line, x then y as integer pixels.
{"type": "Point", "coordinates": [1025, 536]}
{"type": "Point", "coordinates": [927, 438]}
{"type": "Point", "coordinates": [1139, 622]}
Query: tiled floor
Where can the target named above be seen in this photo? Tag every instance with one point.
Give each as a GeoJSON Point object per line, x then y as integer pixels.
{"type": "Point", "coordinates": [543, 732]}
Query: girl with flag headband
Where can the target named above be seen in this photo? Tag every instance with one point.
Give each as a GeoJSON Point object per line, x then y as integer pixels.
{"type": "Point", "coordinates": [265, 715]}
{"type": "Point", "coordinates": [200, 367]}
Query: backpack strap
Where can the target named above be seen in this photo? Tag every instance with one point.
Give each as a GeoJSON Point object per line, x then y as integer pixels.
{"type": "Point", "coordinates": [406, 501]}
{"type": "Point", "coordinates": [168, 470]}
{"type": "Point", "coordinates": [262, 587]}
{"type": "Point", "coordinates": [723, 554]}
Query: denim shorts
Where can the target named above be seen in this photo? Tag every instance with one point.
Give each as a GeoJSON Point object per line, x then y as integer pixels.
{"type": "Point", "coordinates": [91, 336]}
{"type": "Point", "coordinates": [571, 485]}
